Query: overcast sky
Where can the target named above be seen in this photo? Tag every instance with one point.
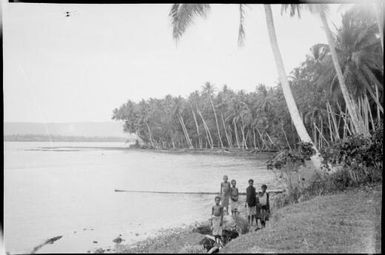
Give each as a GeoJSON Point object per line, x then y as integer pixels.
{"type": "Point", "coordinates": [79, 68]}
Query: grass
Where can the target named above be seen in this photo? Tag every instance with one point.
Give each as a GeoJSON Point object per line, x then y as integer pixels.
{"type": "Point", "coordinates": [348, 222]}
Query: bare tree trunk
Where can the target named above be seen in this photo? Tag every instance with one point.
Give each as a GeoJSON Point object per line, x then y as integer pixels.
{"type": "Point", "coordinates": [287, 141]}
{"type": "Point", "coordinates": [208, 134]}
{"type": "Point", "coordinates": [378, 109]}
{"type": "Point", "coordinates": [185, 132]}
{"type": "Point", "coordinates": [269, 138]}
{"type": "Point", "coordinates": [197, 127]}
{"type": "Point", "coordinates": [329, 124]}
{"type": "Point", "coordinates": [264, 145]}
{"type": "Point", "coordinates": [173, 143]}
{"type": "Point", "coordinates": [149, 131]}
{"type": "Point", "coordinates": [243, 137]}
{"type": "Point", "coordinates": [350, 104]}
{"type": "Point", "coordinates": [333, 117]}
{"type": "Point", "coordinates": [254, 140]}
{"type": "Point", "coordinates": [236, 133]}
{"type": "Point", "coordinates": [291, 105]}
{"type": "Point", "coordinates": [226, 134]}
{"type": "Point", "coordinates": [370, 112]}
{"type": "Point", "coordinates": [216, 122]}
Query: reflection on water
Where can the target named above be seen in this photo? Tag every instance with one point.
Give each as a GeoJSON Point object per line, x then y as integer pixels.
{"type": "Point", "coordinates": [67, 189]}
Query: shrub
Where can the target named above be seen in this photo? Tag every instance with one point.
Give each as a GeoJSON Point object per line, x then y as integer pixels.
{"type": "Point", "coordinates": [359, 156]}
{"type": "Point", "coordinates": [358, 160]}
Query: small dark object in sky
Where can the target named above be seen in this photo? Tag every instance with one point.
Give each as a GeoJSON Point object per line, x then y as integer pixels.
{"type": "Point", "coordinates": [118, 240]}
{"type": "Point", "coordinates": [67, 14]}
{"type": "Point", "coordinates": [95, 241]}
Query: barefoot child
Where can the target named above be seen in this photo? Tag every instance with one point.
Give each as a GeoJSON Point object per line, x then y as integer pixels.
{"type": "Point", "coordinates": [251, 202]}
{"type": "Point", "coordinates": [234, 195]}
{"type": "Point", "coordinates": [265, 205]}
{"type": "Point", "coordinates": [217, 219]}
{"type": "Point", "coordinates": [225, 193]}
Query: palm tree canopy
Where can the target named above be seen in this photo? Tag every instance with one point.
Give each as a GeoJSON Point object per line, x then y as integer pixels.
{"type": "Point", "coordinates": [182, 16]}
{"type": "Point", "coordinates": [359, 53]}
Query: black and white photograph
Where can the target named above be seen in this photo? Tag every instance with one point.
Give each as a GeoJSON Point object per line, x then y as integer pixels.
{"type": "Point", "coordinates": [192, 127]}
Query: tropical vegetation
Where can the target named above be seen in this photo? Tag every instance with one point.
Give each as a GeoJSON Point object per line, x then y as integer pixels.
{"type": "Point", "coordinates": [219, 117]}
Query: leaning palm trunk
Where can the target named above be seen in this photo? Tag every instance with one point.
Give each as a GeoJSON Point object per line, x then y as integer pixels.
{"type": "Point", "coordinates": [291, 105]}
{"type": "Point", "coordinates": [378, 109]}
{"type": "Point", "coordinates": [244, 145]}
{"type": "Point", "coordinates": [350, 104]}
{"type": "Point", "coordinates": [197, 127]}
{"type": "Point", "coordinates": [236, 133]}
{"type": "Point", "coordinates": [150, 134]}
{"type": "Point", "coordinates": [264, 145]}
{"type": "Point", "coordinates": [188, 140]}
{"type": "Point", "coordinates": [369, 111]}
{"type": "Point", "coordinates": [287, 141]}
{"type": "Point", "coordinates": [216, 122]}
{"type": "Point", "coordinates": [230, 144]}
{"type": "Point", "coordinates": [208, 134]}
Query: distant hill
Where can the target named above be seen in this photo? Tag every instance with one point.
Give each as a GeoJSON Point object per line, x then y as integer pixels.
{"type": "Point", "coordinates": [74, 129]}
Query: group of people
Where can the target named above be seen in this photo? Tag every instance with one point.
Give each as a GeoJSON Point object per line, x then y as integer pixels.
{"type": "Point", "coordinates": [257, 205]}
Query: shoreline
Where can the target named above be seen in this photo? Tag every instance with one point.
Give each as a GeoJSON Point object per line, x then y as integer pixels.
{"type": "Point", "coordinates": [221, 152]}
{"type": "Point", "coordinates": [185, 240]}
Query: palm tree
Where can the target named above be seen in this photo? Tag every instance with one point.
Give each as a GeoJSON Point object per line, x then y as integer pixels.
{"type": "Point", "coordinates": [359, 54]}
{"type": "Point", "coordinates": [182, 16]}
{"type": "Point", "coordinates": [321, 10]}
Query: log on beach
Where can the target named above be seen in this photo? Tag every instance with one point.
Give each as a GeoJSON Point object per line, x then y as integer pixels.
{"type": "Point", "coordinates": [188, 192]}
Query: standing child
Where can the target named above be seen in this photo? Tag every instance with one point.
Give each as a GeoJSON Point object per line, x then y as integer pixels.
{"type": "Point", "coordinates": [217, 219]}
{"type": "Point", "coordinates": [225, 193]}
{"type": "Point", "coordinates": [251, 202]}
{"type": "Point", "coordinates": [234, 196]}
{"type": "Point", "coordinates": [265, 205]}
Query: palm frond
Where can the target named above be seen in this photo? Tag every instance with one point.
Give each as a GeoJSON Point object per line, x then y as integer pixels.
{"type": "Point", "coordinates": [241, 30]}
{"type": "Point", "coordinates": [294, 9]}
{"type": "Point", "coordinates": [182, 15]}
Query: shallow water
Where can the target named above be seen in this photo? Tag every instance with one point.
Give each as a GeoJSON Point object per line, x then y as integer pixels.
{"type": "Point", "coordinates": [67, 189]}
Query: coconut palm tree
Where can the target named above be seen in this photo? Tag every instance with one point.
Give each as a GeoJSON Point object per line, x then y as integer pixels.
{"type": "Point", "coordinates": [182, 16]}
{"type": "Point", "coordinates": [359, 55]}
{"type": "Point", "coordinates": [321, 10]}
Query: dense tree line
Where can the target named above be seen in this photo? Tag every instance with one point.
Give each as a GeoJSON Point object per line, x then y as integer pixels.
{"type": "Point", "coordinates": [224, 118]}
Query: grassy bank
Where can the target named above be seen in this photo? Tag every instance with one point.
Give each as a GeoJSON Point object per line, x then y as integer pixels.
{"type": "Point", "coordinates": [349, 221]}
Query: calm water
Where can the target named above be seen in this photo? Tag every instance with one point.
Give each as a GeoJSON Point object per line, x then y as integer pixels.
{"type": "Point", "coordinates": [68, 189]}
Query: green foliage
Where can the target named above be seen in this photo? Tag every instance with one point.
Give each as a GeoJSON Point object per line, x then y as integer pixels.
{"type": "Point", "coordinates": [357, 161]}
{"type": "Point", "coordinates": [360, 157]}
{"type": "Point", "coordinates": [292, 158]}
{"type": "Point", "coordinates": [259, 120]}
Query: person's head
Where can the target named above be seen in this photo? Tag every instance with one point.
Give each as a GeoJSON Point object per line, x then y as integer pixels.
{"type": "Point", "coordinates": [264, 188]}
{"type": "Point", "coordinates": [225, 178]}
{"type": "Point", "coordinates": [233, 182]}
{"type": "Point", "coordinates": [251, 182]}
{"type": "Point", "coordinates": [217, 200]}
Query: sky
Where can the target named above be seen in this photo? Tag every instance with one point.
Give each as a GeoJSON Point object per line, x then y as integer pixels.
{"type": "Point", "coordinates": [79, 68]}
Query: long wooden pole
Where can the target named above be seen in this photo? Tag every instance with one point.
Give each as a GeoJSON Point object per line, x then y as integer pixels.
{"type": "Point", "coordinates": [189, 193]}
